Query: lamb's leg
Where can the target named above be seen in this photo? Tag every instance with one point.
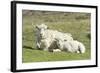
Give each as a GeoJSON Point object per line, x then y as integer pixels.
{"type": "Point", "coordinates": [81, 48]}
{"type": "Point", "coordinates": [77, 51]}
{"type": "Point", "coordinates": [56, 50]}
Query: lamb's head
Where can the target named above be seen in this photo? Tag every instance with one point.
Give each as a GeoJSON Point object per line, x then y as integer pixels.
{"type": "Point", "coordinates": [60, 43]}
{"type": "Point", "coordinates": [41, 30]}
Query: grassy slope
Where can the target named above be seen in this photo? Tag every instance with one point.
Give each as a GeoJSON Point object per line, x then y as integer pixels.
{"type": "Point", "coordinates": [78, 24]}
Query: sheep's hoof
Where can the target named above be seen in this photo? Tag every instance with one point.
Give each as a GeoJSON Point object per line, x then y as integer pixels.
{"type": "Point", "coordinates": [77, 52]}
{"type": "Point", "coordinates": [39, 48]}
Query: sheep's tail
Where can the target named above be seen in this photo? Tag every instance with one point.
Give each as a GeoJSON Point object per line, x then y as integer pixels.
{"type": "Point", "coordinates": [81, 48]}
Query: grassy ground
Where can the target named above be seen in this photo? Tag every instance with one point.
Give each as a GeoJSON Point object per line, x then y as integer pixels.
{"type": "Point", "coordinates": [78, 24]}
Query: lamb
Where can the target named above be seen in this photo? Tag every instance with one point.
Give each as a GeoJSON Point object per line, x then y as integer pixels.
{"type": "Point", "coordinates": [46, 37]}
{"type": "Point", "coordinates": [71, 46]}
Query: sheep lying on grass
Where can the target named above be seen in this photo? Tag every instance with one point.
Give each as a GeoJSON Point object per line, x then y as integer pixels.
{"type": "Point", "coordinates": [46, 37]}
{"type": "Point", "coordinates": [71, 46]}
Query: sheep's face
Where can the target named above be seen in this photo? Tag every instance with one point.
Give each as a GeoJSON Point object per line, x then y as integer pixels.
{"type": "Point", "coordinates": [42, 33]}
{"type": "Point", "coordinates": [41, 30]}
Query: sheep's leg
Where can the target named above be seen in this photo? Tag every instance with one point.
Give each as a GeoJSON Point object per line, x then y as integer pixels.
{"type": "Point", "coordinates": [46, 47]}
{"type": "Point", "coordinates": [38, 45]}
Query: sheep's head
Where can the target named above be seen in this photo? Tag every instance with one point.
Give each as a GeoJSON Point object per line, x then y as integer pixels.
{"type": "Point", "coordinates": [41, 30]}
{"type": "Point", "coordinates": [42, 26]}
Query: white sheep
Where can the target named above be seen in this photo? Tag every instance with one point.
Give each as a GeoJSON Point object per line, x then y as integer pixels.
{"type": "Point", "coordinates": [46, 37]}
{"type": "Point", "coordinates": [38, 34]}
{"type": "Point", "coordinates": [71, 46]}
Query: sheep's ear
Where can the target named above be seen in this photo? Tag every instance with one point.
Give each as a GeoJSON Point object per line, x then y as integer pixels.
{"type": "Point", "coordinates": [33, 25]}
{"type": "Point", "coordinates": [37, 27]}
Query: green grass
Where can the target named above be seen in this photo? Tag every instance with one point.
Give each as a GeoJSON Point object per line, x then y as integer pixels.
{"type": "Point", "coordinates": [78, 24]}
{"type": "Point", "coordinates": [41, 56]}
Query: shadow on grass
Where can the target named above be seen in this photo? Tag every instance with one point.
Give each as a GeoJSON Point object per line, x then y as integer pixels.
{"type": "Point", "coordinates": [28, 47]}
